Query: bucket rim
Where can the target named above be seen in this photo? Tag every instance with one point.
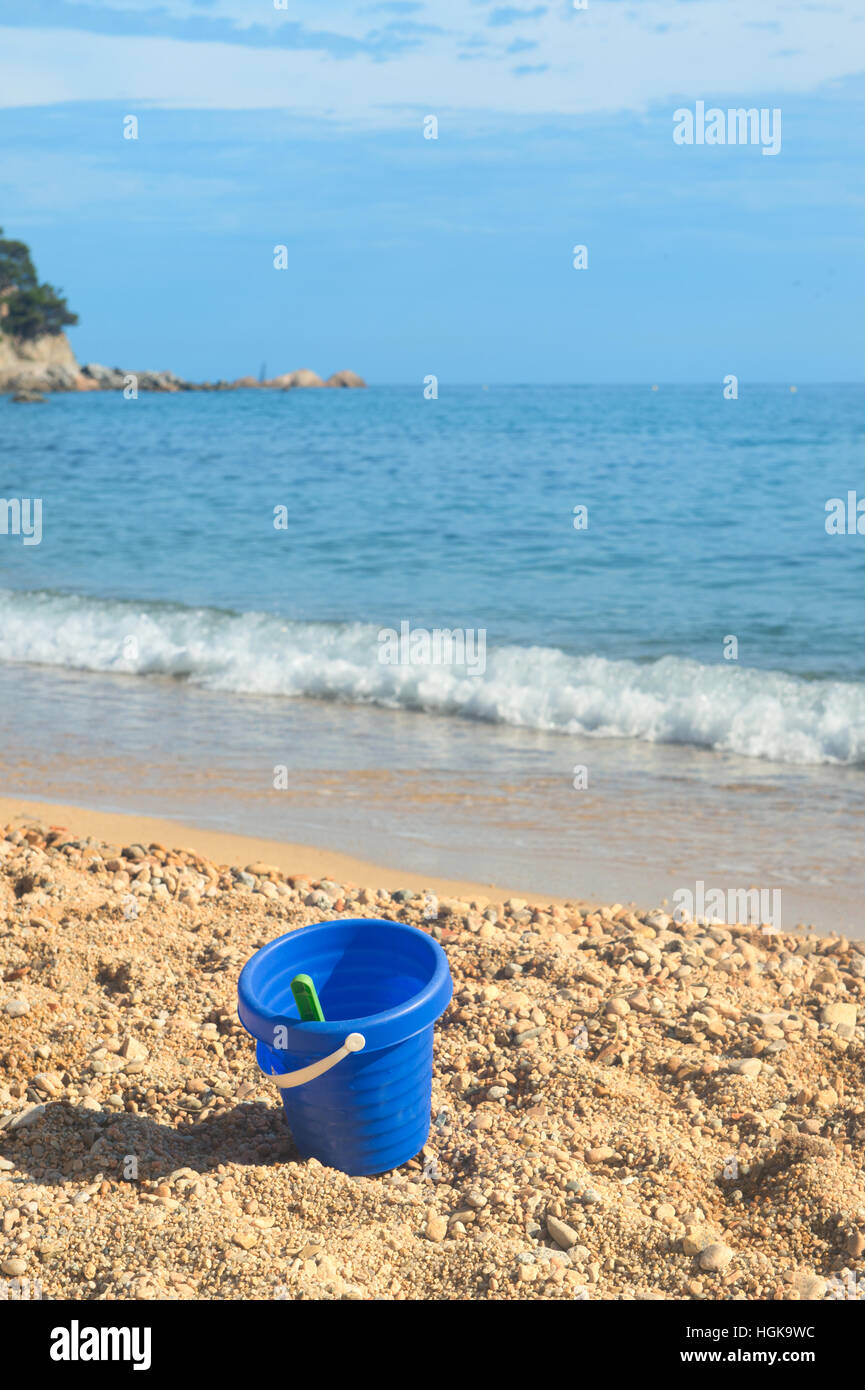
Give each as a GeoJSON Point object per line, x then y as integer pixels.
{"type": "Point", "coordinates": [380, 1029]}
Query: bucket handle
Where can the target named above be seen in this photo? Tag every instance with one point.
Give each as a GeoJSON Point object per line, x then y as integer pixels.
{"type": "Point", "coordinates": [355, 1042]}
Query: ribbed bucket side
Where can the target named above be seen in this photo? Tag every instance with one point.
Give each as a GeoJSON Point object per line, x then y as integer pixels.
{"type": "Point", "coordinates": [367, 1115]}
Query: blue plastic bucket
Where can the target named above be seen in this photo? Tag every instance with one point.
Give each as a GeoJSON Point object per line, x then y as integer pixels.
{"type": "Point", "coordinates": [357, 1088]}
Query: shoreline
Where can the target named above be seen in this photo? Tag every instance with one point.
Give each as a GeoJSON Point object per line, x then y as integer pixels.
{"type": "Point", "coordinates": [47, 364]}
{"type": "Point", "coordinates": [227, 847]}
{"type": "Point", "coordinates": [425, 801]}
{"type": "Point", "coordinates": [312, 863]}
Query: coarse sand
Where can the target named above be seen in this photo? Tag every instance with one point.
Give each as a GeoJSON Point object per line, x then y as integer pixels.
{"type": "Point", "coordinates": [623, 1106]}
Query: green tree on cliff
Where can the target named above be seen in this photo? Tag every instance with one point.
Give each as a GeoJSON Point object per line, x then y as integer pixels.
{"type": "Point", "coordinates": [28, 309]}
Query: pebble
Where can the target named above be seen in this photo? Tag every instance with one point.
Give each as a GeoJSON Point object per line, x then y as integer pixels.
{"type": "Point", "coordinates": [747, 1066]}
{"type": "Point", "coordinates": [695, 1240]}
{"type": "Point", "coordinates": [564, 1235]}
{"type": "Point", "coordinates": [618, 1007]}
{"type": "Point", "coordinates": [809, 1285]}
{"type": "Point", "coordinates": [319, 900]}
{"type": "Point", "coordinates": [666, 1214]}
{"type": "Point", "coordinates": [841, 1017]}
{"type": "Point", "coordinates": [855, 1244]}
{"type": "Point", "coordinates": [436, 1228]}
{"type": "Point", "coordinates": [27, 1117]}
{"type": "Point", "coordinates": [715, 1257]}
{"type": "Point", "coordinates": [49, 1081]}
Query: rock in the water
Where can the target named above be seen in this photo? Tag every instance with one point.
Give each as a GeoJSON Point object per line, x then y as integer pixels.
{"type": "Point", "coordinates": [106, 378]}
{"type": "Point", "coordinates": [289, 380]}
{"type": "Point", "coordinates": [49, 365]}
{"type": "Point", "coordinates": [345, 378]}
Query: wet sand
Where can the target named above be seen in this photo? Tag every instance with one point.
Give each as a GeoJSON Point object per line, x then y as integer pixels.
{"type": "Point", "coordinates": [435, 798]}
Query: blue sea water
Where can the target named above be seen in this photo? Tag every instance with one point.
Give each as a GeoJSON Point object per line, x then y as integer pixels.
{"type": "Point", "coordinates": [160, 562]}
{"type": "Point", "coordinates": [706, 519]}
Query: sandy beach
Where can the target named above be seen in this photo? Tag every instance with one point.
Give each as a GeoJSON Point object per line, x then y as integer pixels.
{"type": "Point", "coordinates": [452, 774]}
{"type": "Point", "coordinates": [304, 861]}
{"type": "Point", "coordinates": [623, 1106]}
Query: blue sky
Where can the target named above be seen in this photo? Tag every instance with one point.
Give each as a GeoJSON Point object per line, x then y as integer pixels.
{"type": "Point", "coordinates": [303, 126]}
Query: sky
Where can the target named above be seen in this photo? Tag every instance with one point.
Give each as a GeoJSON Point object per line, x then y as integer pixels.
{"type": "Point", "coordinates": [303, 126]}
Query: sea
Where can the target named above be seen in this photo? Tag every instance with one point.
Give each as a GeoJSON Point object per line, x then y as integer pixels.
{"type": "Point", "coordinates": [228, 618]}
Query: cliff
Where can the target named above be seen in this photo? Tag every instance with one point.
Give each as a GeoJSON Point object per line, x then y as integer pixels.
{"type": "Point", "coordinates": [44, 364]}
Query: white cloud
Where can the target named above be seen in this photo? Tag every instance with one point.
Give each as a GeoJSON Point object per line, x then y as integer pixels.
{"type": "Point", "coordinates": [611, 57]}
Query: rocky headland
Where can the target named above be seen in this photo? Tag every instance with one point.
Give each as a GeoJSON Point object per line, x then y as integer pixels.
{"type": "Point", "coordinates": [30, 370]}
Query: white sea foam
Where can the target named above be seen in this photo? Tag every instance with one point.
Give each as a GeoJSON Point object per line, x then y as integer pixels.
{"type": "Point", "coordinates": [756, 713]}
